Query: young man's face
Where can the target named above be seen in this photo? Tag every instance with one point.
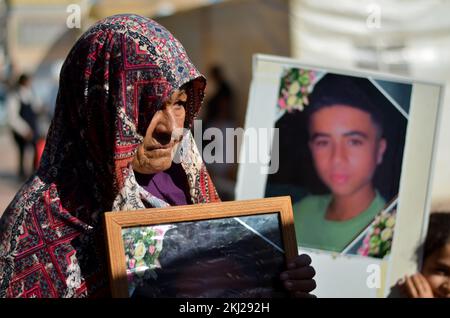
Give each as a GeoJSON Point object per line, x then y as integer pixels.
{"type": "Point", "coordinates": [346, 148]}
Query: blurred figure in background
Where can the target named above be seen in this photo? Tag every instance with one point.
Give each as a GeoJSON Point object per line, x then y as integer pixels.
{"type": "Point", "coordinates": [220, 115]}
{"type": "Point", "coordinates": [23, 107]}
{"type": "Point", "coordinates": [220, 105]}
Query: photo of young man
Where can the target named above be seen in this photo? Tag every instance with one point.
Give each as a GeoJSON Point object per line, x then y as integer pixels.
{"type": "Point", "coordinates": [340, 155]}
{"type": "Point", "coordinates": [347, 145]}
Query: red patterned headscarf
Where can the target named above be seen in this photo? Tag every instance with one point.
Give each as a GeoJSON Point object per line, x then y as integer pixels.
{"type": "Point", "coordinates": [114, 79]}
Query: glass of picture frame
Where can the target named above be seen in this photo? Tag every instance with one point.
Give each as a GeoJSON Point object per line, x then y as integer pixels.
{"type": "Point", "coordinates": [222, 250]}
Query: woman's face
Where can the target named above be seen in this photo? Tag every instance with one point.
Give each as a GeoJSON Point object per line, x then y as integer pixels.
{"type": "Point", "coordinates": [162, 137]}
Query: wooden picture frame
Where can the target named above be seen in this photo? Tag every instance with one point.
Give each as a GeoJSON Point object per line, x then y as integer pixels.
{"type": "Point", "coordinates": [119, 224]}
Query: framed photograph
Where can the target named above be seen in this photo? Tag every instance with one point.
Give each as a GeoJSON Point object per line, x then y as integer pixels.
{"type": "Point", "coordinates": [226, 250]}
{"type": "Point", "coordinates": [354, 150]}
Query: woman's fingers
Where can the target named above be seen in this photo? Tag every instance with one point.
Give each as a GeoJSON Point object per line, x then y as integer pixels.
{"type": "Point", "coordinates": [300, 261]}
{"type": "Point", "coordinates": [306, 272]}
{"type": "Point", "coordinates": [298, 278]}
{"type": "Point", "coordinates": [300, 286]}
{"type": "Point", "coordinates": [303, 295]}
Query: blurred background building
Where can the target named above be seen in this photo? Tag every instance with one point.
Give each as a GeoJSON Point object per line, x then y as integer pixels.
{"type": "Point", "coordinates": [407, 37]}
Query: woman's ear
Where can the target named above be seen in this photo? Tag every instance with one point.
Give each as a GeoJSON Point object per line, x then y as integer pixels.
{"type": "Point", "coordinates": [382, 145]}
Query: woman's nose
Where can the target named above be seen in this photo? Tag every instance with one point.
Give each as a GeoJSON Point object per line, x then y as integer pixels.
{"type": "Point", "coordinates": [165, 127]}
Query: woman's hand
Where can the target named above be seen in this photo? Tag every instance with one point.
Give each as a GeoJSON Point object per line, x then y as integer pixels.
{"type": "Point", "coordinates": [416, 286]}
{"type": "Point", "coordinates": [298, 279]}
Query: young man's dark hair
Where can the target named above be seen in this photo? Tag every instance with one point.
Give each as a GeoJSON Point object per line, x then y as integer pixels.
{"type": "Point", "coordinates": [356, 92]}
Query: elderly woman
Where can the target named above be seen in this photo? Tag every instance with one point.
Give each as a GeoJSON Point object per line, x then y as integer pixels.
{"type": "Point", "coordinates": [127, 88]}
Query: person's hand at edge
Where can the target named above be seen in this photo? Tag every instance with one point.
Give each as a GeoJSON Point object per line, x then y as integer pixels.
{"type": "Point", "coordinates": [298, 278]}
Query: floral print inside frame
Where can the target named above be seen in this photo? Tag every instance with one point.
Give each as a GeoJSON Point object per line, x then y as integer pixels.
{"type": "Point", "coordinates": [376, 240]}
{"type": "Point", "coordinates": [295, 86]}
{"type": "Point", "coordinates": [142, 248]}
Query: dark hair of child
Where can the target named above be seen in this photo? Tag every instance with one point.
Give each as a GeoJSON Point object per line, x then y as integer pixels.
{"type": "Point", "coordinates": [438, 234]}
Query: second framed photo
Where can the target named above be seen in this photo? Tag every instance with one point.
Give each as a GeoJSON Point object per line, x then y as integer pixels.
{"type": "Point", "coordinates": [354, 150]}
{"type": "Point", "coordinates": [220, 250]}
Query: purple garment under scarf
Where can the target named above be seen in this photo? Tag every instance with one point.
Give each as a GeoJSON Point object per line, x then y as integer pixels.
{"type": "Point", "coordinates": [170, 185]}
